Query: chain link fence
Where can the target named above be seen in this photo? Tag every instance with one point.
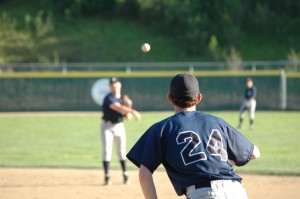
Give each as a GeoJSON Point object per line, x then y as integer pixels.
{"type": "Point", "coordinates": [149, 66]}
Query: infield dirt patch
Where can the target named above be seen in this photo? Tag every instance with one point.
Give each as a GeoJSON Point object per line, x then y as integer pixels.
{"type": "Point", "coordinates": [87, 184]}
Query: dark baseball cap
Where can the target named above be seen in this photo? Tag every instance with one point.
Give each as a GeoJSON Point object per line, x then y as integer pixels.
{"type": "Point", "coordinates": [113, 80]}
{"type": "Point", "coordinates": [184, 85]}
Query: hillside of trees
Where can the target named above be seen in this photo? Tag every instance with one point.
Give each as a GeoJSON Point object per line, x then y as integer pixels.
{"type": "Point", "coordinates": [177, 30]}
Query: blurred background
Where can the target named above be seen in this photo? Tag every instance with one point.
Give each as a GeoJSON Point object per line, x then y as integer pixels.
{"type": "Point", "coordinates": [113, 30]}
{"type": "Point", "coordinates": [43, 43]}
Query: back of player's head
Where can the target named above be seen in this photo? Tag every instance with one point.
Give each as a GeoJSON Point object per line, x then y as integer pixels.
{"type": "Point", "coordinates": [184, 90]}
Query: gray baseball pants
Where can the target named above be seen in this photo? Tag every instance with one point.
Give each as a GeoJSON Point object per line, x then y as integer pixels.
{"type": "Point", "coordinates": [251, 106]}
{"type": "Point", "coordinates": [220, 189]}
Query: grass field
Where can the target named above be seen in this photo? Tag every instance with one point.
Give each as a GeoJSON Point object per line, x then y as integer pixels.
{"type": "Point", "coordinates": [73, 140]}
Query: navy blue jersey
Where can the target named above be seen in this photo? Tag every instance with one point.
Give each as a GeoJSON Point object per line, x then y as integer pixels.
{"type": "Point", "coordinates": [194, 147]}
{"type": "Point", "coordinates": [108, 113]}
{"type": "Point", "coordinates": [250, 92]}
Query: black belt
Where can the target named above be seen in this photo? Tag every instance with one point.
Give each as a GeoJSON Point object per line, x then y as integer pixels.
{"type": "Point", "coordinates": [112, 122]}
{"type": "Point", "coordinates": [203, 184]}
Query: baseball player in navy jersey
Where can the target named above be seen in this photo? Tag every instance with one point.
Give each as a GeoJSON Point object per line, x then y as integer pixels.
{"type": "Point", "coordinates": [248, 104]}
{"type": "Point", "coordinates": [115, 107]}
{"type": "Point", "coordinates": [198, 150]}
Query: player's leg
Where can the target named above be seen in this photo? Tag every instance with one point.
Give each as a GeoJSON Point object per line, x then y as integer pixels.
{"type": "Point", "coordinates": [120, 143]}
{"type": "Point", "coordinates": [107, 141]}
{"type": "Point", "coordinates": [252, 113]}
{"type": "Point", "coordinates": [241, 114]}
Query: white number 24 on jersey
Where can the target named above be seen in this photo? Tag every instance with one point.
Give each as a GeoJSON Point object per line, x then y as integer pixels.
{"type": "Point", "coordinates": [191, 153]}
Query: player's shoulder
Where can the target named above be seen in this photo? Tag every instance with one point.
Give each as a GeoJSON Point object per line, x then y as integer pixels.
{"type": "Point", "coordinates": [108, 99]}
{"type": "Point", "coordinates": [108, 95]}
{"type": "Point", "coordinates": [209, 118]}
{"type": "Point", "coordinates": [162, 122]}
{"type": "Point", "coordinates": [181, 117]}
{"type": "Point", "coordinates": [161, 125]}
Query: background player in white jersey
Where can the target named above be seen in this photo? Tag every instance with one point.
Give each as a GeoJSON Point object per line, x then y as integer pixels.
{"type": "Point", "coordinates": [115, 107]}
{"type": "Point", "coordinates": [248, 104]}
{"type": "Point", "coordinates": [198, 150]}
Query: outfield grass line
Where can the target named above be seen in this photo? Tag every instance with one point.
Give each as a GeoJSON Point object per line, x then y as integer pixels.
{"type": "Point", "coordinates": [99, 113]}
{"type": "Point", "coordinates": [74, 113]}
{"type": "Point", "coordinates": [51, 113]}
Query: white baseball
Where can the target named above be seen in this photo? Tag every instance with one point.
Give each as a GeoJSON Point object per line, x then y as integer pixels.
{"type": "Point", "coordinates": [145, 47]}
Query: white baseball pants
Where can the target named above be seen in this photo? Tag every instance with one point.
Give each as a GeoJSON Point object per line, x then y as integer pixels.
{"type": "Point", "coordinates": [113, 132]}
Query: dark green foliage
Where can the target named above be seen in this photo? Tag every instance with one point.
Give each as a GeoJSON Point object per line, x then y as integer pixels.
{"type": "Point", "coordinates": [202, 30]}
{"type": "Point", "coordinates": [130, 9]}
{"type": "Point", "coordinates": [79, 7]}
{"type": "Point", "coordinates": [193, 23]}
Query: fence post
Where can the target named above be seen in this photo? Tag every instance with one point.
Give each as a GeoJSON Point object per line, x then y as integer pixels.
{"type": "Point", "coordinates": [191, 68]}
{"type": "Point", "coordinates": [253, 67]}
{"type": "Point", "coordinates": [128, 68]}
{"type": "Point", "coordinates": [282, 89]}
{"type": "Point", "coordinates": [64, 68]}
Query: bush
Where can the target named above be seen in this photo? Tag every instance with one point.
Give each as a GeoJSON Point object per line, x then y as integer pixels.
{"type": "Point", "coordinates": [233, 59]}
{"type": "Point", "coordinates": [14, 41]}
{"type": "Point", "coordinates": [79, 7]}
{"type": "Point", "coordinates": [294, 59]}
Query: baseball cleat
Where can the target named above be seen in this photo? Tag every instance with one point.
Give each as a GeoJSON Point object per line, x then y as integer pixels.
{"type": "Point", "coordinates": [107, 180]}
{"type": "Point", "coordinates": [126, 180]}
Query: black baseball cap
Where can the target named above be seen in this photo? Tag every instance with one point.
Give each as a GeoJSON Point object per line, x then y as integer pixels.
{"type": "Point", "coordinates": [113, 80]}
{"type": "Point", "coordinates": [184, 86]}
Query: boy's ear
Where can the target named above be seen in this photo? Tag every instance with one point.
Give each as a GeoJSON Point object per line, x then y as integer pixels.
{"type": "Point", "coordinates": [169, 98]}
{"type": "Point", "coordinates": [199, 98]}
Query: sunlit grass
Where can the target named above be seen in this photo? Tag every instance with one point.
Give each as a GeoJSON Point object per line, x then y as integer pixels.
{"type": "Point", "coordinates": [73, 140]}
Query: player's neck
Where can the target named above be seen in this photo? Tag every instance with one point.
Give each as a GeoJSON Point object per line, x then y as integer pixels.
{"type": "Point", "coordinates": [117, 94]}
{"type": "Point", "coordinates": [178, 109]}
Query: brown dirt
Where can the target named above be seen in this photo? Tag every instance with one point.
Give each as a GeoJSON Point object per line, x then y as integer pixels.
{"type": "Point", "coordinates": [87, 184]}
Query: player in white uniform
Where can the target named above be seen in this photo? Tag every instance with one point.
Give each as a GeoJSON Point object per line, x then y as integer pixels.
{"type": "Point", "coordinates": [114, 109]}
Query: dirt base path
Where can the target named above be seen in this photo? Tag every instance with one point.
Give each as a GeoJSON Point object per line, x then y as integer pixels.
{"type": "Point", "coordinates": [87, 184]}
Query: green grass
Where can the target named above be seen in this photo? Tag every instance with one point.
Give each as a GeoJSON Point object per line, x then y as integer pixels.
{"type": "Point", "coordinates": [73, 140]}
{"type": "Point", "coordinates": [276, 135]}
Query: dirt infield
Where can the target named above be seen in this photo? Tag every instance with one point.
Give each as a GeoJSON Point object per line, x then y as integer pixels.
{"type": "Point", "coordinates": [87, 184]}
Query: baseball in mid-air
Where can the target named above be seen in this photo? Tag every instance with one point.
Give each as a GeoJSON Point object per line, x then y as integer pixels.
{"type": "Point", "coordinates": [145, 47]}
